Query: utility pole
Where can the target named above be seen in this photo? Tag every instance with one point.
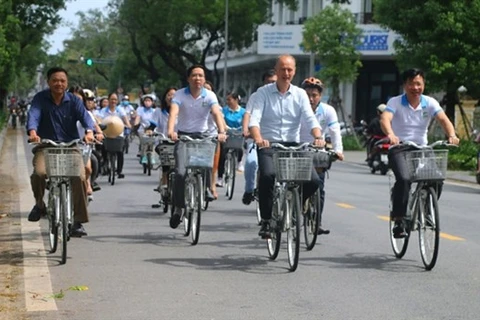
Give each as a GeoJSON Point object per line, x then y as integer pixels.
{"type": "Point", "coordinates": [225, 54]}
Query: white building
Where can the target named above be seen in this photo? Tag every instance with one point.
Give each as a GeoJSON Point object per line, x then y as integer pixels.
{"type": "Point", "coordinates": [378, 78]}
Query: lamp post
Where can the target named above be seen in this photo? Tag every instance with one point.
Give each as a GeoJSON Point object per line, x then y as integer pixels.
{"type": "Point", "coordinates": [225, 54]}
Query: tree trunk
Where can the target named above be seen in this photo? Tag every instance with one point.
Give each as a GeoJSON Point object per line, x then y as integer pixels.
{"type": "Point", "coordinates": [3, 97]}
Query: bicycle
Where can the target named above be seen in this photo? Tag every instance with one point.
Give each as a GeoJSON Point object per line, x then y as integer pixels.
{"type": "Point", "coordinates": [63, 162]}
{"type": "Point", "coordinates": [293, 165]}
{"type": "Point", "coordinates": [166, 158]}
{"type": "Point", "coordinates": [147, 152]}
{"type": "Point", "coordinates": [234, 143]}
{"type": "Point", "coordinates": [126, 144]}
{"type": "Point", "coordinates": [427, 168]}
{"type": "Point", "coordinates": [199, 154]}
{"type": "Point", "coordinates": [322, 161]}
{"type": "Point", "coordinates": [112, 146]}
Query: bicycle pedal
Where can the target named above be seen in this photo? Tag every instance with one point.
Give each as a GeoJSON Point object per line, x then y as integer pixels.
{"type": "Point", "coordinates": [155, 206]}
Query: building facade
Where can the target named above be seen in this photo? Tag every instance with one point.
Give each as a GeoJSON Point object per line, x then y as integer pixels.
{"type": "Point", "coordinates": [378, 77]}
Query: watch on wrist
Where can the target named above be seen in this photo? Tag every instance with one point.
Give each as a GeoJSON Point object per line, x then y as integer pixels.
{"type": "Point", "coordinates": [318, 138]}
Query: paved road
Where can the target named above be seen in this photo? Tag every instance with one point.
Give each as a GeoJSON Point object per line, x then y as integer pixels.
{"type": "Point", "coordinates": [136, 267]}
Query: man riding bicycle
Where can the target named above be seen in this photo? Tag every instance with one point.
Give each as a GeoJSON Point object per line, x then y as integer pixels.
{"type": "Point", "coordinates": [193, 105]}
{"type": "Point", "coordinates": [53, 115]}
{"type": "Point", "coordinates": [328, 119]}
{"type": "Point", "coordinates": [278, 109]}
{"type": "Point", "coordinates": [406, 118]}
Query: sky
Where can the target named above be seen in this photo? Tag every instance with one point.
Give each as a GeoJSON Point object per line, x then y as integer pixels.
{"type": "Point", "coordinates": [68, 17]}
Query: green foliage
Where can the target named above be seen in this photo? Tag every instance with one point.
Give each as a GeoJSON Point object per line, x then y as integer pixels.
{"type": "Point", "coordinates": [464, 157]}
{"type": "Point", "coordinates": [3, 119]}
{"type": "Point", "coordinates": [333, 35]}
{"type": "Point", "coordinates": [351, 144]}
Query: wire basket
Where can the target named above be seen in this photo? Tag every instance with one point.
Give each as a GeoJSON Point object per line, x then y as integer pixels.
{"type": "Point", "coordinates": [234, 141]}
{"type": "Point", "coordinates": [167, 156]}
{"type": "Point", "coordinates": [199, 154]}
{"type": "Point", "coordinates": [145, 140]}
{"type": "Point", "coordinates": [427, 164]}
{"type": "Point", "coordinates": [291, 166]}
{"type": "Point", "coordinates": [63, 162]}
{"type": "Point", "coordinates": [114, 144]}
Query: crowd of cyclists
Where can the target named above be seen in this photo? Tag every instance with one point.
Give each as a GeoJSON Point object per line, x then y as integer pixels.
{"type": "Point", "coordinates": [277, 112]}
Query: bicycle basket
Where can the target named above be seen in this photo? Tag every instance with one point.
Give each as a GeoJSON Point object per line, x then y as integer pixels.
{"type": "Point", "coordinates": [145, 140]}
{"type": "Point", "coordinates": [114, 144]}
{"type": "Point", "coordinates": [167, 157]}
{"type": "Point", "coordinates": [234, 142]}
{"type": "Point", "coordinates": [199, 154]}
{"type": "Point", "coordinates": [63, 162]}
{"type": "Point", "coordinates": [293, 165]}
{"type": "Point", "coordinates": [427, 164]}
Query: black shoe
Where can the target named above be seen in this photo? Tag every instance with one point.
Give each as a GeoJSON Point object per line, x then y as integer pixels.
{"type": "Point", "coordinates": [209, 195]}
{"type": "Point", "coordinates": [121, 176]}
{"type": "Point", "coordinates": [175, 220]}
{"type": "Point", "coordinates": [399, 230]}
{"type": "Point", "coordinates": [36, 213]}
{"type": "Point", "coordinates": [247, 198]}
{"type": "Point", "coordinates": [264, 232]}
{"type": "Point", "coordinates": [322, 231]}
{"type": "Point", "coordinates": [77, 230]}
{"type": "Point", "coordinates": [96, 187]}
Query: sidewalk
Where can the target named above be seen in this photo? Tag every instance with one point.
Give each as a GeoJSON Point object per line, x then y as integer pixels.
{"type": "Point", "coordinates": [358, 157]}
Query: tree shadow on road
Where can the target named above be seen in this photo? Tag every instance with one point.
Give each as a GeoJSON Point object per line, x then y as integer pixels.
{"type": "Point", "coordinates": [382, 262]}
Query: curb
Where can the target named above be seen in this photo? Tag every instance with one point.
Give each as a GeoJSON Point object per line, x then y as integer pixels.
{"type": "Point", "coordinates": [3, 133]}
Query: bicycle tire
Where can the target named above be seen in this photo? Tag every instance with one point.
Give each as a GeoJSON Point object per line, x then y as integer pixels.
{"type": "Point", "coordinates": [149, 164]}
{"type": "Point", "coordinates": [52, 220]}
{"type": "Point", "coordinates": [113, 160]}
{"type": "Point", "coordinates": [168, 201]}
{"type": "Point", "coordinates": [273, 243]}
{"type": "Point", "coordinates": [196, 213]}
{"type": "Point", "coordinates": [257, 210]}
{"type": "Point", "coordinates": [399, 245]}
{"type": "Point", "coordinates": [429, 218]}
{"type": "Point", "coordinates": [311, 221]}
{"type": "Point", "coordinates": [231, 177]}
{"type": "Point", "coordinates": [126, 144]}
{"type": "Point", "coordinates": [292, 208]}
{"type": "Point", "coordinates": [64, 223]}
{"type": "Point", "coordinates": [189, 204]}
{"type": "Point", "coordinates": [205, 201]}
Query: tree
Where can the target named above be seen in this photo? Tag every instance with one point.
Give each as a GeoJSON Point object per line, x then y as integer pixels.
{"type": "Point", "coordinates": [332, 35]}
{"type": "Point", "coordinates": [440, 37]}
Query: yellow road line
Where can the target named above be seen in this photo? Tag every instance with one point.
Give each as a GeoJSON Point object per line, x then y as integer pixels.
{"type": "Point", "coordinates": [345, 205]}
{"type": "Point", "coordinates": [442, 234]}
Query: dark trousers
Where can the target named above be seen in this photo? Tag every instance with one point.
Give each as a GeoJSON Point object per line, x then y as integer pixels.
{"type": "Point", "coordinates": [321, 188]}
{"type": "Point", "coordinates": [221, 163]}
{"type": "Point", "coordinates": [119, 159]}
{"type": "Point", "coordinates": [266, 183]}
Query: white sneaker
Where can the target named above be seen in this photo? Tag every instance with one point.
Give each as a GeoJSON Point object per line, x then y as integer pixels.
{"type": "Point", "coordinates": [241, 167]}
{"type": "Point", "coordinates": [219, 182]}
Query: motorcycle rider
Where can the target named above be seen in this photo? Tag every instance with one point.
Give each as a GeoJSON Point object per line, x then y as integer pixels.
{"type": "Point", "coordinates": [374, 130]}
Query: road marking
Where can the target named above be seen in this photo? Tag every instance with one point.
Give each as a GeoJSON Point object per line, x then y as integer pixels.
{"type": "Point", "coordinates": [442, 234]}
{"type": "Point", "coordinates": [345, 205]}
{"type": "Point", "coordinates": [38, 285]}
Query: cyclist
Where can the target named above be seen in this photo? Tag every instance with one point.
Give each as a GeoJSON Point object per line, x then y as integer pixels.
{"type": "Point", "coordinates": [193, 106]}
{"type": "Point", "coordinates": [114, 110]}
{"type": "Point", "coordinates": [145, 115]}
{"type": "Point", "coordinates": [53, 115]}
{"type": "Point", "coordinates": [375, 131]}
{"type": "Point", "coordinates": [251, 162]}
{"type": "Point", "coordinates": [233, 114]}
{"type": "Point", "coordinates": [277, 111]}
{"type": "Point", "coordinates": [406, 118]}
{"type": "Point", "coordinates": [328, 119]}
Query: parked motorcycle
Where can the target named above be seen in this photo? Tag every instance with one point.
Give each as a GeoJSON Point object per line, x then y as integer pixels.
{"type": "Point", "coordinates": [477, 140]}
{"type": "Point", "coordinates": [379, 157]}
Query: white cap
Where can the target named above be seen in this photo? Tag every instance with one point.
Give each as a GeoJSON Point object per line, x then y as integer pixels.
{"type": "Point", "coordinates": [381, 107]}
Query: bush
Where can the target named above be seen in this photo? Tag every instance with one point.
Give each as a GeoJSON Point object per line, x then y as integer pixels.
{"type": "Point", "coordinates": [464, 157]}
{"type": "Point", "coordinates": [3, 119]}
{"type": "Point", "coordinates": [351, 144]}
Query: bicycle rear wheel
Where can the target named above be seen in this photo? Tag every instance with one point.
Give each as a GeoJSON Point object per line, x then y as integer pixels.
{"type": "Point", "coordinates": [273, 243]}
{"type": "Point", "coordinates": [429, 228]}
{"type": "Point", "coordinates": [197, 209]}
{"type": "Point", "coordinates": [149, 164]}
{"type": "Point", "coordinates": [113, 164]}
{"type": "Point", "coordinates": [53, 202]}
{"type": "Point", "coordinates": [230, 172]}
{"type": "Point", "coordinates": [311, 220]}
{"type": "Point", "coordinates": [63, 222]}
{"type": "Point", "coordinates": [292, 209]}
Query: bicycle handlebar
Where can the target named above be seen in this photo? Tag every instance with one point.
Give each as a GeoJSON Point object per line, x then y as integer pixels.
{"type": "Point", "coordinates": [428, 146]}
{"type": "Point", "coordinates": [278, 145]}
{"type": "Point", "coordinates": [58, 144]}
{"type": "Point", "coordinates": [188, 138]}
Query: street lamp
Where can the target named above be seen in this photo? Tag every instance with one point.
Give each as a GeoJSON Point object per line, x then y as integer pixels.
{"type": "Point", "coordinates": [225, 54]}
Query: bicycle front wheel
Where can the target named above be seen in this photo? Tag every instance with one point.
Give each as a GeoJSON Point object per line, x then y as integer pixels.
{"type": "Point", "coordinates": [113, 164]}
{"type": "Point", "coordinates": [292, 209]}
{"type": "Point", "coordinates": [189, 205]}
{"type": "Point", "coordinates": [273, 243]}
{"type": "Point", "coordinates": [149, 163]}
{"type": "Point", "coordinates": [311, 220]}
{"type": "Point", "coordinates": [257, 207]}
{"type": "Point", "coordinates": [63, 222]}
{"type": "Point", "coordinates": [429, 228]}
{"type": "Point", "coordinates": [230, 172]}
{"type": "Point", "coordinates": [197, 209]}
{"type": "Point", "coordinates": [52, 214]}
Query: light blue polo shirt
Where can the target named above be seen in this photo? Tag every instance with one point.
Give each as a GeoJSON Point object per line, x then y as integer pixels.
{"type": "Point", "coordinates": [233, 118]}
{"type": "Point", "coordinates": [193, 113]}
{"type": "Point", "coordinates": [411, 124]}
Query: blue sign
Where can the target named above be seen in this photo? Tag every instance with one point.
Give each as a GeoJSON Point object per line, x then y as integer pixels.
{"type": "Point", "coordinates": [373, 42]}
